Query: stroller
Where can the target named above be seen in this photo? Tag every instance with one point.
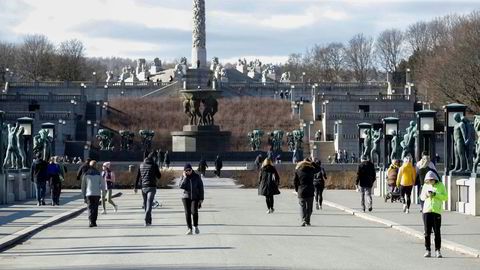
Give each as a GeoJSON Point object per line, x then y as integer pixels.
{"type": "Point", "coordinates": [394, 195]}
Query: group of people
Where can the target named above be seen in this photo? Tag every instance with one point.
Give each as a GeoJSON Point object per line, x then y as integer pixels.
{"type": "Point", "coordinates": [52, 173]}
{"type": "Point", "coordinates": [309, 184]}
{"type": "Point", "coordinates": [403, 178]}
{"type": "Point", "coordinates": [342, 157]}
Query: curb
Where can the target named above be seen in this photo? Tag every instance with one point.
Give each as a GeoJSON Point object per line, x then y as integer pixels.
{"type": "Point", "coordinates": [404, 229]}
{"type": "Point", "coordinates": [10, 240]}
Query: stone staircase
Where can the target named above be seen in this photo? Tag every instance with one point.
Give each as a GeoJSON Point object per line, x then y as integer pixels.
{"type": "Point", "coordinates": [169, 90]}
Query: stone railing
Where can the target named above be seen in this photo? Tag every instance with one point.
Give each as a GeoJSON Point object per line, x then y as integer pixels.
{"type": "Point", "coordinates": [86, 84]}
{"type": "Point", "coordinates": [39, 97]}
{"type": "Point", "coordinates": [370, 115]}
{"type": "Point", "coordinates": [336, 97]}
{"type": "Point", "coordinates": [42, 116]}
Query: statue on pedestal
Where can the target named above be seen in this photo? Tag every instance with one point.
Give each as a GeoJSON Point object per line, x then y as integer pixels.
{"type": "Point", "coordinates": [395, 143]}
{"type": "Point", "coordinates": [42, 144]}
{"type": "Point", "coordinates": [408, 143]}
{"type": "Point", "coordinates": [290, 142]}
{"type": "Point", "coordinates": [147, 137]}
{"type": "Point", "coordinates": [127, 139]}
{"type": "Point", "coordinates": [367, 144]}
{"type": "Point", "coordinates": [469, 142]}
{"type": "Point", "coordinates": [298, 139]}
{"type": "Point", "coordinates": [12, 154]}
{"type": "Point", "coordinates": [277, 140]}
{"type": "Point", "coordinates": [376, 138]}
{"type": "Point", "coordinates": [257, 136]}
{"type": "Point", "coordinates": [191, 107]}
{"type": "Point", "coordinates": [105, 137]}
{"type": "Point", "coordinates": [460, 138]}
{"type": "Point", "coordinates": [21, 158]}
{"type": "Point", "coordinates": [210, 108]}
{"type": "Point", "coordinates": [476, 126]}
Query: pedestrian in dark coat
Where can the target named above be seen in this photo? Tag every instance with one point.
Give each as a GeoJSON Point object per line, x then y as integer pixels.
{"type": "Point", "coordinates": [39, 175]}
{"type": "Point", "coordinates": [92, 186]}
{"type": "Point", "coordinates": [268, 181]}
{"type": "Point", "coordinates": [303, 181]}
{"type": "Point", "coordinates": [54, 175]}
{"type": "Point", "coordinates": [202, 166]}
{"type": "Point", "coordinates": [319, 184]}
{"type": "Point", "coordinates": [83, 168]}
{"type": "Point", "coordinates": [218, 166]}
{"type": "Point", "coordinates": [192, 198]}
{"type": "Point", "coordinates": [366, 175]}
{"type": "Point", "coordinates": [259, 161]}
{"type": "Point", "coordinates": [166, 159]}
{"type": "Point", "coordinates": [147, 176]}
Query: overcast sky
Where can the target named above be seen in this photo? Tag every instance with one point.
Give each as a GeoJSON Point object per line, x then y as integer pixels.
{"type": "Point", "coordinates": [267, 29]}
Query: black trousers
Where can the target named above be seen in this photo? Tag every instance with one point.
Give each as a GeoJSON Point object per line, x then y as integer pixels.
{"type": "Point", "coordinates": [406, 191]}
{"type": "Point", "coordinates": [191, 209]}
{"type": "Point", "coordinates": [148, 195]}
{"type": "Point", "coordinates": [306, 208]}
{"type": "Point", "coordinates": [270, 201]}
{"type": "Point", "coordinates": [56, 189]}
{"type": "Point", "coordinates": [93, 203]}
{"type": "Point", "coordinates": [319, 193]}
{"type": "Point", "coordinates": [432, 221]}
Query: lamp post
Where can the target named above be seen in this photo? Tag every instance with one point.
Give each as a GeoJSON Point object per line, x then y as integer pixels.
{"type": "Point", "coordinates": [390, 127]}
{"type": "Point", "coordinates": [450, 110]}
{"type": "Point", "coordinates": [2, 154]}
{"type": "Point", "coordinates": [309, 130]}
{"type": "Point", "coordinates": [362, 127]}
{"type": "Point", "coordinates": [425, 140]}
{"type": "Point", "coordinates": [291, 92]}
{"type": "Point", "coordinates": [89, 130]}
{"type": "Point", "coordinates": [303, 81]}
{"type": "Point", "coordinates": [61, 131]}
{"type": "Point", "coordinates": [27, 124]}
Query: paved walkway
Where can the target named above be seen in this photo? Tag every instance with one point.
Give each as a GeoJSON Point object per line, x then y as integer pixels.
{"type": "Point", "coordinates": [236, 233]}
{"type": "Point", "coordinates": [458, 228]}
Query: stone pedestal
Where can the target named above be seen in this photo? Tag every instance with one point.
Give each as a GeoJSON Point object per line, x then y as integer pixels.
{"type": "Point", "coordinates": [380, 183]}
{"type": "Point", "coordinates": [3, 189]}
{"type": "Point", "coordinates": [10, 191]}
{"type": "Point", "coordinates": [450, 182]}
{"type": "Point", "coordinates": [200, 139]}
{"type": "Point", "coordinates": [468, 199]}
{"type": "Point", "coordinates": [19, 188]}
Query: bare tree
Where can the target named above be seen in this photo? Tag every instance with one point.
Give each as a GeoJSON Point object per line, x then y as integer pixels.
{"type": "Point", "coordinates": [418, 37]}
{"type": "Point", "coordinates": [359, 56]}
{"type": "Point", "coordinates": [294, 66]}
{"type": "Point", "coordinates": [389, 49]}
{"type": "Point", "coordinates": [8, 52]}
{"type": "Point", "coordinates": [70, 61]}
{"type": "Point", "coordinates": [35, 58]}
{"type": "Point", "coordinates": [335, 58]}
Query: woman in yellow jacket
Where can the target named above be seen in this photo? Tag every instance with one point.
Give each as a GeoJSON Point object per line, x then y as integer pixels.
{"type": "Point", "coordinates": [405, 181]}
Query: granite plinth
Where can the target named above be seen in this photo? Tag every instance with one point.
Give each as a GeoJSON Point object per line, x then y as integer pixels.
{"type": "Point", "coordinates": [200, 139]}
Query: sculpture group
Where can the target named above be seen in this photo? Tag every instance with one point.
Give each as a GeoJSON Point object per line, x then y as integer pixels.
{"type": "Point", "coordinates": [294, 140]}
{"type": "Point", "coordinates": [198, 117]}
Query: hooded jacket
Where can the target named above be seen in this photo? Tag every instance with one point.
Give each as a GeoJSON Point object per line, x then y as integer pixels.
{"type": "Point", "coordinates": [268, 179]}
{"type": "Point", "coordinates": [392, 174]}
{"type": "Point", "coordinates": [406, 175]}
{"type": "Point", "coordinates": [366, 174]}
{"type": "Point", "coordinates": [192, 186]}
{"type": "Point", "coordinates": [92, 183]}
{"type": "Point", "coordinates": [433, 204]}
{"type": "Point", "coordinates": [424, 166]}
{"type": "Point", "coordinates": [303, 181]}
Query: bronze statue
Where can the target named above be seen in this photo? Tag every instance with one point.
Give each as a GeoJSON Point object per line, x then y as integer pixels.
{"type": "Point", "coordinates": [476, 126]}
{"type": "Point", "coordinates": [376, 138]}
{"type": "Point", "coordinates": [42, 143]}
{"type": "Point", "coordinates": [12, 154]}
{"type": "Point", "coordinates": [147, 137]}
{"type": "Point", "coordinates": [105, 137]}
{"type": "Point", "coordinates": [21, 158]}
{"type": "Point", "coordinates": [127, 139]}
{"type": "Point", "coordinates": [367, 144]}
{"type": "Point", "coordinates": [395, 143]}
{"type": "Point", "coordinates": [408, 143]}
{"type": "Point", "coordinates": [210, 106]}
{"type": "Point", "coordinates": [469, 140]}
{"type": "Point", "coordinates": [459, 137]}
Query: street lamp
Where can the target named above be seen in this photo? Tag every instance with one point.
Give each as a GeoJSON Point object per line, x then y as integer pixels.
{"type": "Point", "coordinates": [291, 92]}
{"type": "Point", "coordinates": [309, 130]}
{"type": "Point", "coordinates": [448, 144]}
{"type": "Point", "coordinates": [425, 140]}
{"type": "Point", "coordinates": [390, 127]}
{"type": "Point", "coordinates": [362, 128]}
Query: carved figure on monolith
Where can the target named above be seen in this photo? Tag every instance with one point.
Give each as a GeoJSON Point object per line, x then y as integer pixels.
{"type": "Point", "coordinates": [476, 126]}
{"type": "Point", "coordinates": [376, 138]}
{"type": "Point", "coordinates": [459, 137]}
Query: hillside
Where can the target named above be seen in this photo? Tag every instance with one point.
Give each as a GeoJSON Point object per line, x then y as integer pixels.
{"type": "Point", "coordinates": [237, 115]}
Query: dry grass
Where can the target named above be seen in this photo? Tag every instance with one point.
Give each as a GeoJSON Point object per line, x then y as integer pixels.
{"type": "Point", "coordinates": [123, 179]}
{"type": "Point", "coordinates": [335, 180]}
{"type": "Point", "coordinates": [237, 115]}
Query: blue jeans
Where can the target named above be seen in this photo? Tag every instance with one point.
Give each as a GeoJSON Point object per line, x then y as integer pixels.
{"type": "Point", "coordinates": [41, 189]}
{"type": "Point", "coordinates": [148, 195]}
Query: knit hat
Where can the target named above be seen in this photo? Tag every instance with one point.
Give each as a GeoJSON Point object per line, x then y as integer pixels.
{"type": "Point", "coordinates": [431, 175]}
{"type": "Point", "coordinates": [107, 165]}
{"type": "Point", "coordinates": [187, 167]}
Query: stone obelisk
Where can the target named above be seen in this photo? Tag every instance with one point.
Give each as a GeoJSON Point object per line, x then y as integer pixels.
{"type": "Point", "coordinates": [199, 51]}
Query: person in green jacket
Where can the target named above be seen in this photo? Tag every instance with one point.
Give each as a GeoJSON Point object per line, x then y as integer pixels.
{"type": "Point", "coordinates": [433, 194]}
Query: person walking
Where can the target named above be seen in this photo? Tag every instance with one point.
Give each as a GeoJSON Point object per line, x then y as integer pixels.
{"type": "Point", "coordinates": [202, 166]}
{"type": "Point", "coordinates": [218, 165]}
{"type": "Point", "coordinates": [258, 161]}
{"type": "Point", "coordinates": [39, 176]}
{"type": "Point", "coordinates": [365, 177]}
{"type": "Point", "coordinates": [423, 167]}
{"type": "Point", "coordinates": [303, 182]}
{"type": "Point", "coordinates": [433, 194]}
{"type": "Point", "coordinates": [83, 168]}
{"type": "Point", "coordinates": [161, 158]}
{"type": "Point", "coordinates": [54, 176]}
{"type": "Point", "coordinates": [392, 174]}
{"type": "Point", "coordinates": [147, 176]}
{"type": "Point", "coordinates": [268, 183]}
{"type": "Point", "coordinates": [319, 184]}
{"type": "Point", "coordinates": [92, 186]}
{"type": "Point", "coordinates": [166, 159]}
{"type": "Point", "coordinates": [192, 197]}
{"type": "Point", "coordinates": [109, 177]}
{"type": "Point", "coordinates": [405, 181]}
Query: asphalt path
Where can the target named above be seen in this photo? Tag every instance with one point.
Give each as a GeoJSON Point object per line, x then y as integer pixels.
{"type": "Point", "coordinates": [236, 233]}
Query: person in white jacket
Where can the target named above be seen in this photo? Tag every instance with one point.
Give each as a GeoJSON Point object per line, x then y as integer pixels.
{"type": "Point", "coordinates": [92, 187]}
